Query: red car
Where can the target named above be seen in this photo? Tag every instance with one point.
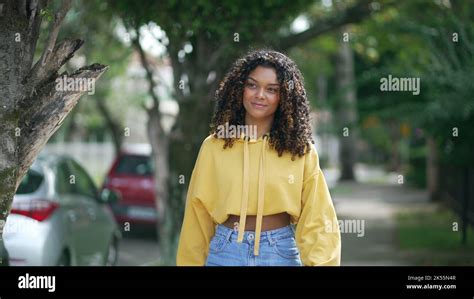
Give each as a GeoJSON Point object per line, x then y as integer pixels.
{"type": "Point", "coordinates": [132, 177]}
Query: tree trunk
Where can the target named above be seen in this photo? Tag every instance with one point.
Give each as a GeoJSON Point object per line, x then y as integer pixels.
{"type": "Point", "coordinates": [159, 141]}
{"type": "Point", "coordinates": [395, 137]}
{"type": "Point", "coordinates": [347, 108]}
{"type": "Point", "coordinates": [191, 128]}
{"type": "Point", "coordinates": [32, 106]}
{"type": "Point", "coordinates": [175, 153]}
{"type": "Point", "coordinates": [114, 126]}
{"type": "Point", "coordinates": [322, 123]}
{"type": "Point", "coordinates": [159, 145]}
{"type": "Point", "coordinates": [432, 168]}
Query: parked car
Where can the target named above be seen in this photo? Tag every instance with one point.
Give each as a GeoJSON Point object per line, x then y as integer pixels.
{"type": "Point", "coordinates": [132, 177]}
{"type": "Point", "coordinates": [58, 217]}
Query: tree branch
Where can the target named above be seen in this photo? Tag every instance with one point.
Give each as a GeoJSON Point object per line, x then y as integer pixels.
{"type": "Point", "coordinates": [114, 125]}
{"type": "Point", "coordinates": [59, 56]}
{"type": "Point", "coordinates": [148, 71]}
{"type": "Point", "coordinates": [52, 105]}
{"type": "Point", "coordinates": [53, 34]}
{"type": "Point", "coordinates": [353, 14]}
{"type": "Point", "coordinates": [33, 12]}
{"type": "Point", "coordinates": [177, 72]}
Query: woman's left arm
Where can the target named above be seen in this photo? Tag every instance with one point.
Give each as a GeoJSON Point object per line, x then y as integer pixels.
{"type": "Point", "coordinates": [317, 231]}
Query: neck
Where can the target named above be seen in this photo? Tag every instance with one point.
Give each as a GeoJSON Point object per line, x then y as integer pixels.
{"type": "Point", "coordinates": [263, 125]}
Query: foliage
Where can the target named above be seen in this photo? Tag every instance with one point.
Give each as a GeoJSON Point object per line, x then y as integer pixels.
{"type": "Point", "coordinates": [98, 29]}
{"type": "Point", "coordinates": [421, 46]}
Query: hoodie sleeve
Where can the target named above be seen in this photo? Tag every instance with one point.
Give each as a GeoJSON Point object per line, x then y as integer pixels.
{"type": "Point", "coordinates": [317, 231]}
{"type": "Point", "coordinates": [198, 226]}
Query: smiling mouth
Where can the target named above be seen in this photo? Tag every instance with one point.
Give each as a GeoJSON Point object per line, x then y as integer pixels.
{"type": "Point", "coordinates": [259, 106]}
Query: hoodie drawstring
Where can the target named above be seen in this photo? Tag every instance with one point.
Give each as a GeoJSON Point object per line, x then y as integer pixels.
{"type": "Point", "coordinates": [245, 194]}
{"type": "Point", "coordinates": [261, 197]}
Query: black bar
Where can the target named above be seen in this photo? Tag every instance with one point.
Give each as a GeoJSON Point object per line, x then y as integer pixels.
{"type": "Point", "coordinates": [145, 282]}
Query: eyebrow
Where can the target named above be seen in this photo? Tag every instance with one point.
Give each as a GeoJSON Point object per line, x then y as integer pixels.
{"type": "Point", "coordinates": [257, 81]}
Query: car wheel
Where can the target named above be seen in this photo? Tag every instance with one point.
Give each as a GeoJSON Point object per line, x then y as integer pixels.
{"type": "Point", "coordinates": [112, 253]}
{"type": "Point", "coordinates": [64, 260]}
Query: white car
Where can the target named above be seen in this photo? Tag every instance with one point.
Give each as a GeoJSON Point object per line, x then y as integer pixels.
{"type": "Point", "coordinates": [59, 218]}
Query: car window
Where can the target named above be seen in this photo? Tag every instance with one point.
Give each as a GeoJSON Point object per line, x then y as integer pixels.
{"type": "Point", "coordinates": [63, 179]}
{"type": "Point", "coordinates": [135, 165]}
{"type": "Point", "coordinates": [30, 182]}
{"type": "Point", "coordinates": [83, 184]}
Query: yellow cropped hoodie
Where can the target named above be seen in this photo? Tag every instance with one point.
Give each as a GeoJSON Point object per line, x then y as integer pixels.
{"type": "Point", "coordinates": [250, 179]}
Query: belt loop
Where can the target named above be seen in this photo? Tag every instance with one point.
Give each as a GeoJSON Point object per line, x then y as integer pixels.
{"type": "Point", "coordinates": [293, 229]}
{"type": "Point", "coordinates": [270, 238]}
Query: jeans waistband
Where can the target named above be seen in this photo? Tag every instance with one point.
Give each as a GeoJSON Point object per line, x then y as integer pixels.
{"type": "Point", "coordinates": [268, 235]}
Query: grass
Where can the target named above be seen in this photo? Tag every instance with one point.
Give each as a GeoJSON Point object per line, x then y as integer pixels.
{"type": "Point", "coordinates": [431, 238]}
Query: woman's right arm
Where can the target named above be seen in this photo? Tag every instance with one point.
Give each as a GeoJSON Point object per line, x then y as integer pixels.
{"type": "Point", "coordinates": [198, 226]}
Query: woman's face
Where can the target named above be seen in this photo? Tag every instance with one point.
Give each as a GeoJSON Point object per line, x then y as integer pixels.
{"type": "Point", "coordinates": [261, 93]}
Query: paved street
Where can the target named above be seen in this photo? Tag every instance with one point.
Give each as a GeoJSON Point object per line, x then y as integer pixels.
{"type": "Point", "coordinates": [138, 247]}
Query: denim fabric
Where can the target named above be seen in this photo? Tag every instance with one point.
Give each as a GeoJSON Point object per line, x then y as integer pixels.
{"type": "Point", "coordinates": [277, 248]}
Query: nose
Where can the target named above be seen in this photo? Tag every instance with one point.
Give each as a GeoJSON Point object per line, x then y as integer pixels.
{"type": "Point", "coordinates": [260, 93]}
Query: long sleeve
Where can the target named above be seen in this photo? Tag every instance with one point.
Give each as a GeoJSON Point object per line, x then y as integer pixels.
{"type": "Point", "coordinates": [198, 226]}
{"type": "Point", "coordinates": [317, 231]}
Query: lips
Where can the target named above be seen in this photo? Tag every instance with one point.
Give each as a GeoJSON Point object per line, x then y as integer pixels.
{"type": "Point", "coordinates": [259, 106]}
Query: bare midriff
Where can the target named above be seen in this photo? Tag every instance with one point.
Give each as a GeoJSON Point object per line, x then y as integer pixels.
{"type": "Point", "coordinates": [269, 222]}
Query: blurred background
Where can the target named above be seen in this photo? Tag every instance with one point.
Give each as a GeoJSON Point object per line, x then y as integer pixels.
{"type": "Point", "coordinates": [399, 160]}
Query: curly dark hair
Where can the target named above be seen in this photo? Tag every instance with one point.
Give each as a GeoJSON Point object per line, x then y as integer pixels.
{"type": "Point", "coordinates": [291, 128]}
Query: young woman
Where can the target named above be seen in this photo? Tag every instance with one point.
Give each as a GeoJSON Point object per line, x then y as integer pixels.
{"type": "Point", "coordinates": [257, 195]}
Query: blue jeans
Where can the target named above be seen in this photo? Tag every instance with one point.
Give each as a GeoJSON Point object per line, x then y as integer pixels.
{"type": "Point", "coordinates": [277, 248]}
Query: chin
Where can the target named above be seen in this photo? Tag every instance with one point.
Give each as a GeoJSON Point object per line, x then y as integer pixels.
{"type": "Point", "coordinates": [258, 115]}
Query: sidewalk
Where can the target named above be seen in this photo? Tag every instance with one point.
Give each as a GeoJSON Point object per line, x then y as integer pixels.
{"type": "Point", "coordinates": [376, 205]}
{"type": "Point", "coordinates": [373, 204]}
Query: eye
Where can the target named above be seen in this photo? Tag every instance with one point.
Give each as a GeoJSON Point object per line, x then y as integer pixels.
{"type": "Point", "coordinates": [251, 85]}
{"type": "Point", "coordinates": [273, 90]}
